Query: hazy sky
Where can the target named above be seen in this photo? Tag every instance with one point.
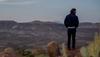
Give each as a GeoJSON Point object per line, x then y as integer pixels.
{"type": "Point", "coordinates": [49, 10]}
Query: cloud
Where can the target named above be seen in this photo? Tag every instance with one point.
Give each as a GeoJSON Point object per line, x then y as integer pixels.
{"type": "Point", "coordinates": [9, 2]}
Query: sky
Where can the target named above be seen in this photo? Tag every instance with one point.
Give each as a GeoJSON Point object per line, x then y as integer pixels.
{"type": "Point", "coordinates": [49, 10]}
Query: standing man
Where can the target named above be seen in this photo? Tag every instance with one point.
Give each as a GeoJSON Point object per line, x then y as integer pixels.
{"type": "Point", "coordinates": [71, 22]}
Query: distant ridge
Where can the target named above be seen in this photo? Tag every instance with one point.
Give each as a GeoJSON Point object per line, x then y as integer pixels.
{"type": "Point", "coordinates": [39, 33]}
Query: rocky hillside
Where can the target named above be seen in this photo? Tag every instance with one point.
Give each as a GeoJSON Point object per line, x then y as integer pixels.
{"type": "Point", "coordinates": [38, 33]}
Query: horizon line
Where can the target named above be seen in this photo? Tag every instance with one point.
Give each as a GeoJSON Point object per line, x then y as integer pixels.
{"type": "Point", "coordinates": [46, 21]}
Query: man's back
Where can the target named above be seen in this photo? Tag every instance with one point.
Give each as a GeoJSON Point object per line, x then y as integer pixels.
{"type": "Point", "coordinates": [71, 21]}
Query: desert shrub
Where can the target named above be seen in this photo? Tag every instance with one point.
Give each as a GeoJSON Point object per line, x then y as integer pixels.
{"type": "Point", "coordinates": [99, 54]}
{"type": "Point", "coordinates": [38, 51]}
{"type": "Point", "coordinates": [10, 52]}
{"type": "Point", "coordinates": [20, 51]}
{"type": "Point", "coordinates": [94, 46]}
{"type": "Point", "coordinates": [24, 53]}
{"type": "Point", "coordinates": [28, 54]}
{"type": "Point", "coordinates": [42, 55]}
{"type": "Point", "coordinates": [53, 49]}
{"type": "Point", "coordinates": [84, 52]}
{"type": "Point", "coordinates": [64, 51]}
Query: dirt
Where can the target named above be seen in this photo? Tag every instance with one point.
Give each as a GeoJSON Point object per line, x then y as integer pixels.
{"type": "Point", "coordinates": [74, 53]}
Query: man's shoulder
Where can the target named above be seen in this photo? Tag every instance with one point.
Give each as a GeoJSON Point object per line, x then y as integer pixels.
{"type": "Point", "coordinates": [68, 15]}
{"type": "Point", "coordinates": [76, 15]}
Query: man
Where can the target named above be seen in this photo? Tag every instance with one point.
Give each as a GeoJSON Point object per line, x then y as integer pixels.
{"type": "Point", "coordinates": [71, 22]}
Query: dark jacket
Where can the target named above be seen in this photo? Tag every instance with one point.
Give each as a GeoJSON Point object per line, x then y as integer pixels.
{"type": "Point", "coordinates": [71, 21]}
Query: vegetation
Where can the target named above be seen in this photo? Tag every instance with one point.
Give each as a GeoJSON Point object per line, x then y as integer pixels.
{"type": "Point", "coordinates": [94, 47]}
{"type": "Point", "coordinates": [54, 50]}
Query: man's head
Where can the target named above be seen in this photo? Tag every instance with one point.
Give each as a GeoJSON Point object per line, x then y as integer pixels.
{"type": "Point", "coordinates": [73, 11]}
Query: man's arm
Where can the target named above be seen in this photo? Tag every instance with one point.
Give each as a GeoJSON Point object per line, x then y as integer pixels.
{"type": "Point", "coordinates": [66, 21]}
{"type": "Point", "coordinates": [77, 22]}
